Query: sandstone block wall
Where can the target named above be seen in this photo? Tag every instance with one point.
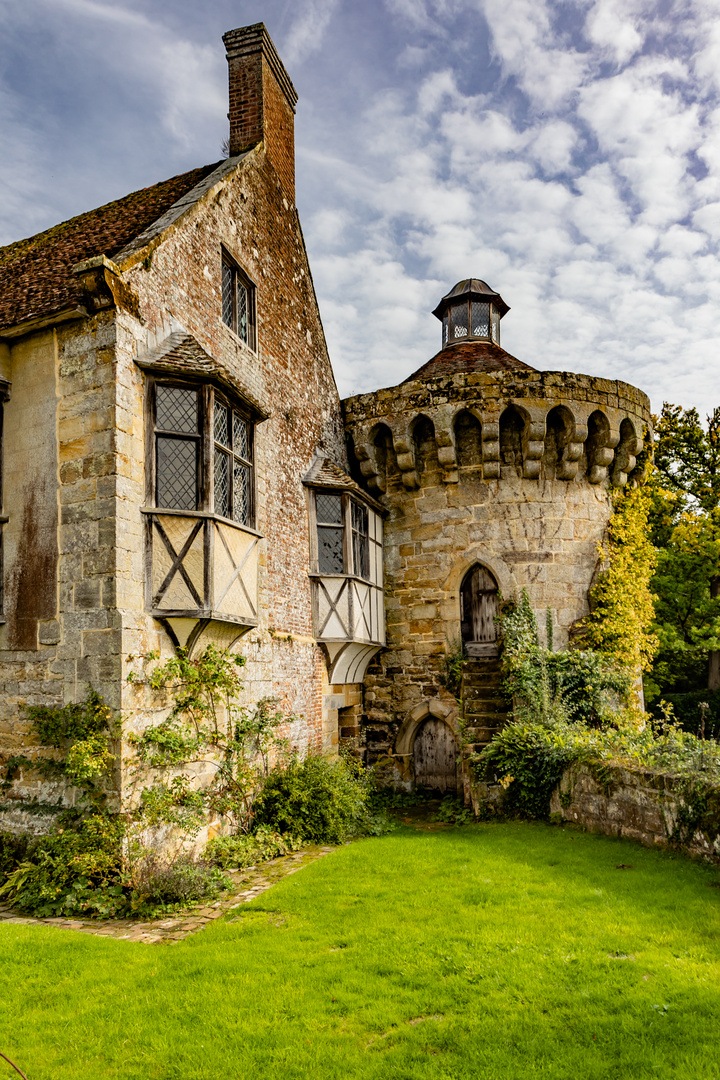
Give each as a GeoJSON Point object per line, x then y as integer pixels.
{"type": "Point", "coordinates": [510, 470]}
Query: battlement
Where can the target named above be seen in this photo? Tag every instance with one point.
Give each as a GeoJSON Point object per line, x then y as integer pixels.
{"type": "Point", "coordinates": [502, 424]}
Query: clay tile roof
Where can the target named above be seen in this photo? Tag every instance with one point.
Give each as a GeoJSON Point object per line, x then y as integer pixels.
{"type": "Point", "coordinates": [468, 357]}
{"type": "Point", "coordinates": [325, 473]}
{"type": "Point", "coordinates": [36, 275]}
{"type": "Point", "coordinates": [180, 354]}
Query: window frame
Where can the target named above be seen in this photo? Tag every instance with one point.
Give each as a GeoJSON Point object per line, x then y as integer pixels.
{"type": "Point", "coordinates": [238, 276]}
{"type": "Point", "coordinates": [347, 501]}
{"type": "Point", "coordinates": [205, 438]}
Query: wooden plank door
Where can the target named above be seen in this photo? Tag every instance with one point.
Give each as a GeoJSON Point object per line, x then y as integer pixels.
{"type": "Point", "coordinates": [436, 754]}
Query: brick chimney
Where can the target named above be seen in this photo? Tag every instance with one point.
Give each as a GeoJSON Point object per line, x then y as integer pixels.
{"type": "Point", "coordinates": [262, 100]}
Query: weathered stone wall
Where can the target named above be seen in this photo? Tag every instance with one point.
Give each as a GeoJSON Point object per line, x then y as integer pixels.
{"type": "Point", "coordinates": [62, 632]}
{"type": "Point", "coordinates": [509, 469]}
{"type": "Point", "coordinates": [637, 804]}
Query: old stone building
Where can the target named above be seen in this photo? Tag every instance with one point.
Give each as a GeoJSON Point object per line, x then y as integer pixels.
{"type": "Point", "coordinates": [178, 469]}
{"type": "Point", "coordinates": [495, 476]}
{"type": "Point", "coordinates": [174, 467]}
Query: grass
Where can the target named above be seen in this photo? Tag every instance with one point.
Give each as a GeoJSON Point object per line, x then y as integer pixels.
{"type": "Point", "coordinates": [489, 951]}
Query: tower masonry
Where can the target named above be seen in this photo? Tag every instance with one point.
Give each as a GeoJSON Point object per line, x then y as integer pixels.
{"type": "Point", "coordinates": [495, 477]}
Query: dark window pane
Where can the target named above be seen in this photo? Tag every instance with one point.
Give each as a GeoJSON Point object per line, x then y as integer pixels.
{"type": "Point", "coordinates": [221, 424]}
{"type": "Point", "coordinates": [458, 320]}
{"type": "Point", "coordinates": [480, 319]}
{"type": "Point", "coordinates": [330, 550]}
{"type": "Point", "coordinates": [241, 501]}
{"type": "Point", "coordinates": [177, 409]}
{"type": "Point", "coordinates": [361, 549]}
{"type": "Point", "coordinates": [222, 483]}
{"type": "Point", "coordinates": [227, 294]}
{"type": "Point", "coordinates": [359, 518]}
{"type": "Point", "coordinates": [176, 474]}
{"type": "Point", "coordinates": [242, 310]}
{"type": "Point", "coordinates": [240, 436]}
{"type": "Point", "coordinates": [329, 509]}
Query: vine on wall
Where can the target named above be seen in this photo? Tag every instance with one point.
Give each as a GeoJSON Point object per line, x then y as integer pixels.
{"type": "Point", "coordinates": [621, 602]}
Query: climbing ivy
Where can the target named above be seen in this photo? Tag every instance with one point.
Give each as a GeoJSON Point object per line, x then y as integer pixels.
{"type": "Point", "coordinates": [622, 605]}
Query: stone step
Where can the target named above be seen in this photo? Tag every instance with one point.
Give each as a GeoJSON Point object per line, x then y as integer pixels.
{"type": "Point", "coordinates": [485, 708]}
{"type": "Point", "coordinates": [485, 680]}
{"type": "Point", "coordinates": [495, 719]}
{"type": "Point", "coordinates": [483, 693]}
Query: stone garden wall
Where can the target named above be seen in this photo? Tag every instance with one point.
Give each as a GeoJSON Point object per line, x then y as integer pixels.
{"type": "Point", "coordinates": [638, 804]}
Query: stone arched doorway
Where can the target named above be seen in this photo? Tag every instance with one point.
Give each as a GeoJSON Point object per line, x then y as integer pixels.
{"type": "Point", "coordinates": [435, 756]}
{"type": "Point", "coordinates": [478, 611]}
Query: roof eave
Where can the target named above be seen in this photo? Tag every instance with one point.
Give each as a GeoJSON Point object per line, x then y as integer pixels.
{"type": "Point", "coordinates": [149, 239]}
{"type": "Point", "coordinates": [43, 322]}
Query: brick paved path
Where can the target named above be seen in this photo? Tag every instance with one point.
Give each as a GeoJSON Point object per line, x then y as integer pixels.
{"type": "Point", "coordinates": [248, 883]}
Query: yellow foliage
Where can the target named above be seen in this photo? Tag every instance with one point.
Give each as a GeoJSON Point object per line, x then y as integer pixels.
{"type": "Point", "coordinates": [622, 605]}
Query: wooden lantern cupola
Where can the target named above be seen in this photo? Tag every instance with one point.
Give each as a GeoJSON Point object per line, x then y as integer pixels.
{"type": "Point", "coordinates": [471, 311]}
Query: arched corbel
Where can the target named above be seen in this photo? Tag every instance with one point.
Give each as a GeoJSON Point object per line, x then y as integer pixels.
{"type": "Point", "coordinates": [490, 427]}
{"type": "Point", "coordinates": [533, 440]}
{"type": "Point", "coordinates": [405, 454]}
{"type": "Point", "coordinates": [445, 442]}
{"type": "Point", "coordinates": [568, 465]}
{"type": "Point", "coordinates": [626, 453]}
{"type": "Point", "coordinates": [367, 456]}
{"type": "Point", "coordinates": [602, 451]}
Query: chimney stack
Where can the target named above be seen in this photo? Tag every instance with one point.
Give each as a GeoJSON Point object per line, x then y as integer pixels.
{"type": "Point", "coordinates": [262, 100]}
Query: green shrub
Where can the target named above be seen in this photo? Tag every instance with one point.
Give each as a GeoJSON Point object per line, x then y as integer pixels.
{"type": "Point", "coordinates": [246, 849]}
{"type": "Point", "coordinates": [13, 850]}
{"type": "Point", "coordinates": [688, 712]}
{"type": "Point", "coordinates": [570, 686]}
{"type": "Point", "coordinates": [75, 870]}
{"type": "Point", "coordinates": [161, 884]}
{"type": "Point", "coordinates": [319, 800]}
{"type": "Point", "coordinates": [528, 760]}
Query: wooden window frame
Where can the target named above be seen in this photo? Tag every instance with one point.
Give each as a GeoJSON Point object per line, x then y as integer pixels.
{"type": "Point", "coordinates": [346, 502]}
{"type": "Point", "coordinates": [207, 394]}
{"type": "Point", "coordinates": [238, 275]}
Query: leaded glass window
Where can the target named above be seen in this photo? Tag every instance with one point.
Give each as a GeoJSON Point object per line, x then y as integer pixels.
{"type": "Point", "coordinates": [360, 543]}
{"type": "Point", "coordinates": [177, 446]}
{"type": "Point", "coordinates": [233, 466]}
{"type": "Point", "coordinates": [238, 300]}
{"type": "Point", "coordinates": [480, 319]}
{"type": "Point", "coordinates": [184, 440]}
{"type": "Point", "coordinates": [458, 321]}
{"type": "Point", "coordinates": [495, 314]}
{"type": "Point", "coordinates": [329, 511]}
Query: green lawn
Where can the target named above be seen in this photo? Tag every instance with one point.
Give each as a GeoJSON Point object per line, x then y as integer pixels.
{"type": "Point", "coordinates": [488, 951]}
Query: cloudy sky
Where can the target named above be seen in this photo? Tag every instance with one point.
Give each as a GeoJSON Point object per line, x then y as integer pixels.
{"type": "Point", "coordinates": [566, 152]}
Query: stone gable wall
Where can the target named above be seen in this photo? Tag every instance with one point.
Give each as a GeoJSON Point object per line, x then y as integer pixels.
{"type": "Point", "coordinates": [290, 375]}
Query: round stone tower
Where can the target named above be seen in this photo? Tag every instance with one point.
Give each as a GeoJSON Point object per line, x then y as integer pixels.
{"type": "Point", "coordinates": [495, 476]}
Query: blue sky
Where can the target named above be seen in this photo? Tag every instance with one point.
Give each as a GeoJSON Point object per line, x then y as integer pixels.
{"type": "Point", "coordinates": [566, 152]}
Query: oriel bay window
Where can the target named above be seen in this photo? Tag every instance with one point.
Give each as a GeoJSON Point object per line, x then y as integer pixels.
{"type": "Point", "coordinates": [201, 541]}
{"type": "Point", "coordinates": [347, 573]}
{"type": "Point", "coordinates": [196, 468]}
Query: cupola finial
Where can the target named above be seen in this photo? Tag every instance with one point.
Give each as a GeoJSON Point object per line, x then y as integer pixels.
{"type": "Point", "coordinates": [471, 311]}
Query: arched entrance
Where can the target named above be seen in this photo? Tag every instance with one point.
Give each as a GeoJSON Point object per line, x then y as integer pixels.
{"type": "Point", "coordinates": [435, 756]}
{"type": "Point", "coordinates": [478, 611]}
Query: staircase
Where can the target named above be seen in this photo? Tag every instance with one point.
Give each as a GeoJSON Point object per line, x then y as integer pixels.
{"type": "Point", "coordinates": [485, 708]}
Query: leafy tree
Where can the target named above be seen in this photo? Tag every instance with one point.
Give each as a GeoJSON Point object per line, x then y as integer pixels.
{"type": "Point", "coordinates": [684, 521]}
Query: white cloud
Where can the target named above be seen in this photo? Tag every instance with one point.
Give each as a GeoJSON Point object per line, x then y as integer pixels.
{"type": "Point", "coordinates": [306, 34]}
